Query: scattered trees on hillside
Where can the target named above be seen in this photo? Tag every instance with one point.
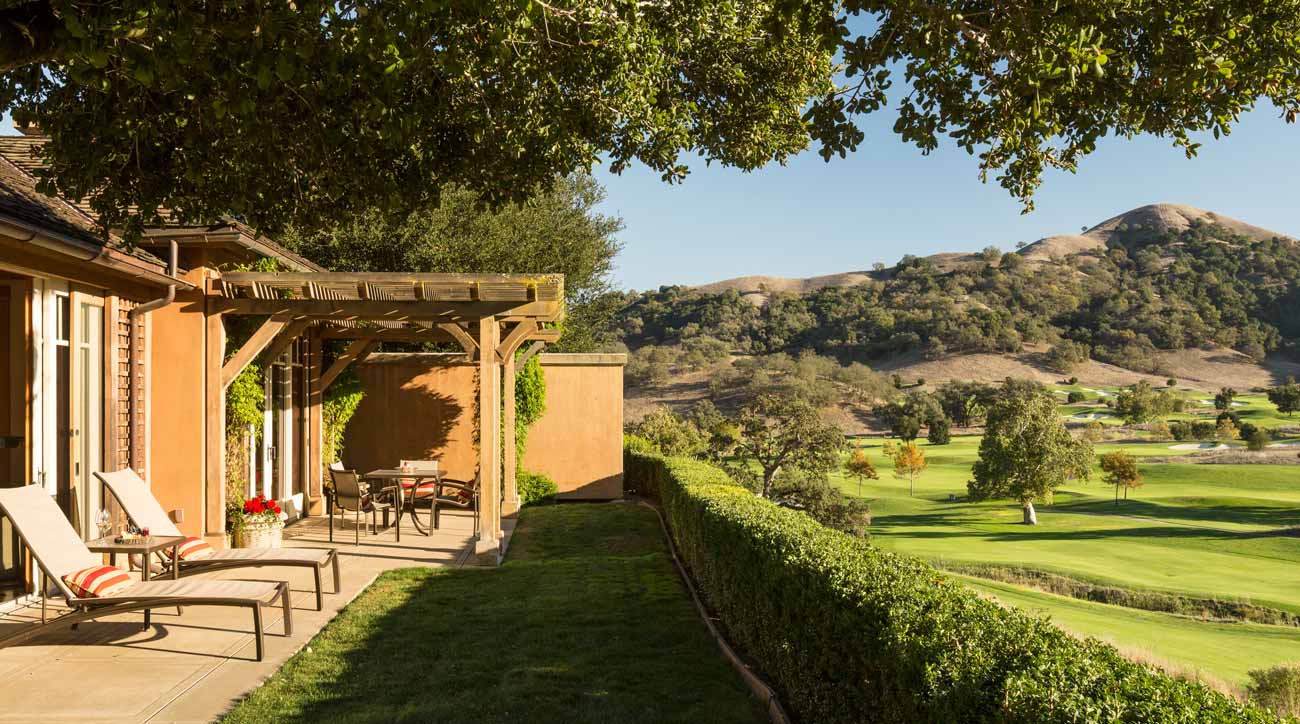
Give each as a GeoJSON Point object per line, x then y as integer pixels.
{"type": "Point", "coordinates": [1212, 287]}
{"type": "Point", "coordinates": [906, 416]}
{"type": "Point", "coordinates": [1286, 397]}
{"type": "Point", "coordinates": [1065, 355]}
{"type": "Point", "coordinates": [859, 466]}
{"type": "Point", "coordinates": [1027, 453]}
{"type": "Point", "coordinates": [1121, 471]}
{"type": "Point", "coordinates": [909, 463]}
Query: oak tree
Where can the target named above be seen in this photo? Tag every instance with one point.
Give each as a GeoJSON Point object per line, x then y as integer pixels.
{"type": "Point", "coordinates": [1027, 453]}
{"type": "Point", "coordinates": [308, 110]}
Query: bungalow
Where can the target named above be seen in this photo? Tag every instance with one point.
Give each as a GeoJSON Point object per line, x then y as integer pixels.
{"type": "Point", "coordinates": [116, 355]}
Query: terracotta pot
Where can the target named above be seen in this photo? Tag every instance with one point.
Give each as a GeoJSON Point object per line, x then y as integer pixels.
{"type": "Point", "coordinates": [260, 535]}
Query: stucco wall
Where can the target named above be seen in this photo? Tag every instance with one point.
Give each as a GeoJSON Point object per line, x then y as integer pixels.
{"type": "Point", "coordinates": [423, 406]}
{"type": "Point", "coordinates": [579, 440]}
{"type": "Point", "coordinates": [176, 435]}
{"type": "Point", "coordinates": [416, 407]}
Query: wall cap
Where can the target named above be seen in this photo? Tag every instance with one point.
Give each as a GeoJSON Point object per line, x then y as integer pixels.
{"type": "Point", "coordinates": [450, 359]}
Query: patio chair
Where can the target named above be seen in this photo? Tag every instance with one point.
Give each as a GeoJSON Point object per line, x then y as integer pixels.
{"type": "Point", "coordinates": [349, 495]}
{"type": "Point", "coordinates": [64, 558]}
{"type": "Point", "coordinates": [459, 494]}
{"type": "Point", "coordinates": [132, 493]}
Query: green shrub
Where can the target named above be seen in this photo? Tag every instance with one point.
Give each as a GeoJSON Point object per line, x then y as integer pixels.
{"type": "Point", "coordinates": [1074, 397]}
{"type": "Point", "coordinates": [1256, 440]}
{"type": "Point", "coordinates": [850, 633]}
{"type": "Point", "coordinates": [1277, 689]}
{"type": "Point", "coordinates": [535, 488]}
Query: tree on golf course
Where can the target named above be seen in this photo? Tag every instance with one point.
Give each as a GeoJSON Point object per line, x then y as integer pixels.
{"type": "Point", "coordinates": [1027, 453]}
{"type": "Point", "coordinates": [1286, 397]}
{"type": "Point", "coordinates": [1121, 471]}
{"type": "Point", "coordinates": [778, 432]}
{"type": "Point", "coordinates": [859, 466]}
{"type": "Point", "coordinates": [304, 111]}
{"type": "Point", "coordinates": [909, 463]}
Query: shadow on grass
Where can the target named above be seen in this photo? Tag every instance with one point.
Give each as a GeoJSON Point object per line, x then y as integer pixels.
{"type": "Point", "coordinates": [1274, 517]}
{"type": "Point", "coordinates": [997, 530]}
{"type": "Point", "coordinates": [585, 622]}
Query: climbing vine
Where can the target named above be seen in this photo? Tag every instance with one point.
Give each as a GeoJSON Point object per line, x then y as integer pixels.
{"type": "Point", "coordinates": [341, 401]}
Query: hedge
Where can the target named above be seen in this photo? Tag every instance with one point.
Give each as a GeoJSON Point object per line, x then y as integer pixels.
{"type": "Point", "coordinates": [846, 632]}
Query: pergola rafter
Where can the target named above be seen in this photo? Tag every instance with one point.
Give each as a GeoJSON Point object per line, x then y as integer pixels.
{"type": "Point", "coordinates": [490, 316]}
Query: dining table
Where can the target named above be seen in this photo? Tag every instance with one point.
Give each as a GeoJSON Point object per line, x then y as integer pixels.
{"type": "Point", "coordinates": [391, 484]}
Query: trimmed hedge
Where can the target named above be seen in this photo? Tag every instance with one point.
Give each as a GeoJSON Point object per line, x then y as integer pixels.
{"type": "Point", "coordinates": [850, 633]}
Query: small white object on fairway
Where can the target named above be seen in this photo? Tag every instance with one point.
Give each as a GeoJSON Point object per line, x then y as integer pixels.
{"type": "Point", "coordinates": [1200, 446]}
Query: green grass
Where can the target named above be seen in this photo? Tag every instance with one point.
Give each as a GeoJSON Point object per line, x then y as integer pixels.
{"type": "Point", "coordinates": [586, 621]}
{"type": "Point", "coordinates": [1206, 531]}
{"type": "Point", "coordinates": [1224, 651]}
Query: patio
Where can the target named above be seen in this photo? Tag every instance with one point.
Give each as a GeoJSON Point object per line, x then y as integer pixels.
{"type": "Point", "coordinates": [191, 668]}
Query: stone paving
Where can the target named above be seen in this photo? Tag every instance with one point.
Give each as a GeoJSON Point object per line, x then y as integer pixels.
{"type": "Point", "coordinates": [193, 666]}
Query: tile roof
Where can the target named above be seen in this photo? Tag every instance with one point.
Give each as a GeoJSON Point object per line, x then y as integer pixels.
{"type": "Point", "coordinates": [21, 152]}
{"type": "Point", "coordinates": [20, 200]}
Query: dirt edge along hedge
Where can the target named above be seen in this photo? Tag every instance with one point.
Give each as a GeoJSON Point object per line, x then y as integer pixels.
{"type": "Point", "coordinates": [851, 633]}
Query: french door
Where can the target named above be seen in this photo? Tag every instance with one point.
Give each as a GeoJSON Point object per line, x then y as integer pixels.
{"type": "Point", "coordinates": [67, 397]}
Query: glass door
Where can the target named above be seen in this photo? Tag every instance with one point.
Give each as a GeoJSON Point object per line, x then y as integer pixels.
{"type": "Point", "coordinates": [87, 410]}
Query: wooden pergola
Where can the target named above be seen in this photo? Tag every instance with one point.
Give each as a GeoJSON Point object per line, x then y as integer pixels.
{"type": "Point", "coordinates": [490, 316]}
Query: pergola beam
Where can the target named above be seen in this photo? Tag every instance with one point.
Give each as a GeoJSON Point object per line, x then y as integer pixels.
{"type": "Point", "coordinates": [264, 335]}
{"type": "Point", "coordinates": [383, 309]}
{"type": "Point", "coordinates": [532, 350]}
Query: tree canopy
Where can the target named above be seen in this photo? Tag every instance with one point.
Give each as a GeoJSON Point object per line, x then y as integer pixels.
{"type": "Point", "coordinates": [557, 231]}
{"type": "Point", "coordinates": [1027, 453]}
{"type": "Point", "coordinates": [309, 111]}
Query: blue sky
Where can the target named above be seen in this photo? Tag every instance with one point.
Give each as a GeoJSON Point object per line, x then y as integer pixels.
{"type": "Point", "coordinates": [887, 200]}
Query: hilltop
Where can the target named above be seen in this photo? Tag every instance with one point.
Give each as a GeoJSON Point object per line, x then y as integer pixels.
{"type": "Point", "coordinates": [1164, 290]}
{"type": "Point", "coordinates": [1144, 222]}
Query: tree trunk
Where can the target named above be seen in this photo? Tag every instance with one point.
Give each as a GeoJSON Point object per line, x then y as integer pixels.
{"type": "Point", "coordinates": [1031, 518]}
{"type": "Point", "coordinates": [769, 477]}
{"type": "Point", "coordinates": [1117, 496]}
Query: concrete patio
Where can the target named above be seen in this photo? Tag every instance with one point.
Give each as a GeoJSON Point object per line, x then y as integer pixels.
{"type": "Point", "coordinates": [193, 667]}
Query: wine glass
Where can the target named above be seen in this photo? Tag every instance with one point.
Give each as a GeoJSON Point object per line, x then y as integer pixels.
{"type": "Point", "coordinates": [102, 522]}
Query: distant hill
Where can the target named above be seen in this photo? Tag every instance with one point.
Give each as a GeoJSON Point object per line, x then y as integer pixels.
{"type": "Point", "coordinates": [1134, 292]}
{"type": "Point", "coordinates": [1144, 222]}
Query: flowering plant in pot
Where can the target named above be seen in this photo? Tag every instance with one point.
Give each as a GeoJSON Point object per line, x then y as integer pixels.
{"type": "Point", "coordinates": [258, 523]}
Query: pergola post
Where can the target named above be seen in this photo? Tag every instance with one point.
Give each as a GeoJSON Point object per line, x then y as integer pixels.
{"type": "Point", "coordinates": [314, 466]}
{"type": "Point", "coordinates": [489, 433]}
{"type": "Point", "coordinates": [214, 424]}
{"type": "Point", "coordinates": [509, 448]}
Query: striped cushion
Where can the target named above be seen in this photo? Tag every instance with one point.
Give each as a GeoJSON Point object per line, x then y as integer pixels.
{"type": "Point", "coordinates": [193, 549]}
{"type": "Point", "coordinates": [98, 581]}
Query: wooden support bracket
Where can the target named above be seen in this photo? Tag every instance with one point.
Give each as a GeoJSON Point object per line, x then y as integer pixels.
{"type": "Point", "coordinates": [269, 330]}
{"type": "Point", "coordinates": [461, 335]}
{"type": "Point", "coordinates": [355, 352]}
{"type": "Point", "coordinates": [512, 342]}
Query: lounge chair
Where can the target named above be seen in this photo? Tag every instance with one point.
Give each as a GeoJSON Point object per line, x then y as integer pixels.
{"type": "Point", "coordinates": [64, 558]}
{"type": "Point", "coordinates": [143, 509]}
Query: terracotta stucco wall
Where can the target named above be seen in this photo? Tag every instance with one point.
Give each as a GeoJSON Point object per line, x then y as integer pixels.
{"type": "Point", "coordinates": [422, 406]}
{"type": "Point", "coordinates": [416, 407]}
{"type": "Point", "coordinates": [176, 413]}
{"type": "Point", "coordinates": [578, 442]}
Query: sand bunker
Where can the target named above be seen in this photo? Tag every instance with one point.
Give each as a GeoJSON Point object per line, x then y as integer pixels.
{"type": "Point", "coordinates": [1285, 444]}
{"type": "Point", "coordinates": [1199, 446]}
{"type": "Point", "coordinates": [1092, 415]}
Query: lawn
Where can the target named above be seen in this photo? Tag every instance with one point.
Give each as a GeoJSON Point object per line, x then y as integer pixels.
{"type": "Point", "coordinates": [586, 621]}
{"type": "Point", "coordinates": [1206, 531]}
{"type": "Point", "coordinates": [1224, 651]}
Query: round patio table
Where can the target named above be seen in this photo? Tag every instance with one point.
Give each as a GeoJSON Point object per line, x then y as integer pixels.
{"type": "Point", "coordinates": [398, 489]}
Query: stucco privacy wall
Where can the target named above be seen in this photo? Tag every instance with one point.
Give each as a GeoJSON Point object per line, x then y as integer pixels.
{"type": "Point", "coordinates": [578, 442]}
{"type": "Point", "coordinates": [423, 406]}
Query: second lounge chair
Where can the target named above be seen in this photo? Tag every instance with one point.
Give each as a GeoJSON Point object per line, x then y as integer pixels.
{"type": "Point", "coordinates": [133, 495]}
